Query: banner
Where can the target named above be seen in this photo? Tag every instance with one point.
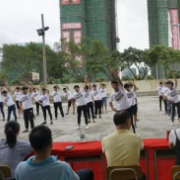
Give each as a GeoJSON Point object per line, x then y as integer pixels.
{"type": "Point", "coordinates": [75, 1]}
{"type": "Point", "coordinates": [67, 37]}
{"type": "Point", "coordinates": [64, 2]}
{"type": "Point", "coordinates": [174, 23]}
{"type": "Point", "coordinates": [71, 26]}
{"type": "Point", "coordinates": [77, 37]}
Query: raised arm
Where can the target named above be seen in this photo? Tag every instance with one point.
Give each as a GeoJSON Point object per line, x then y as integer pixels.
{"type": "Point", "coordinates": [116, 76]}
{"type": "Point", "coordinates": [7, 87]}
{"type": "Point", "coordinates": [133, 84]}
{"type": "Point", "coordinates": [56, 85]}
{"type": "Point", "coordinates": [175, 80]}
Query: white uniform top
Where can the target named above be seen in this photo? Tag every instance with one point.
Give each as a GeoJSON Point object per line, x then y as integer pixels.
{"type": "Point", "coordinates": [172, 95]}
{"type": "Point", "coordinates": [8, 100]}
{"type": "Point", "coordinates": [131, 97]}
{"type": "Point", "coordinates": [45, 100]}
{"type": "Point", "coordinates": [88, 96]}
{"type": "Point", "coordinates": [164, 90]}
{"type": "Point", "coordinates": [1, 98]}
{"type": "Point", "coordinates": [96, 95]}
{"type": "Point", "coordinates": [103, 92]}
{"type": "Point", "coordinates": [172, 136]}
{"type": "Point", "coordinates": [26, 100]}
{"type": "Point", "coordinates": [80, 99]}
{"type": "Point", "coordinates": [68, 95]}
{"type": "Point", "coordinates": [159, 90]}
{"type": "Point", "coordinates": [121, 99]}
{"type": "Point", "coordinates": [57, 96]}
{"type": "Point", "coordinates": [36, 95]}
{"type": "Point", "coordinates": [17, 95]}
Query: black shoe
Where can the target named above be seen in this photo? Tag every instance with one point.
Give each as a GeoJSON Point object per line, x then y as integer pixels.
{"type": "Point", "coordinates": [3, 119]}
{"type": "Point", "coordinates": [26, 131]}
{"type": "Point", "coordinates": [51, 123]}
{"type": "Point", "coordinates": [100, 117]}
{"type": "Point", "coordinates": [43, 123]}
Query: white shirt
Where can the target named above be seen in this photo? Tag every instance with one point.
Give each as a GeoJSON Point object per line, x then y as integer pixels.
{"type": "Point", "coordinates": [45, 100]}
{"type": "Point", "coordinates": [36, 95]}
{"type": "Point", "coordinates": [26, 100]}
{"type": "Point", "coordinates": [159, 90]}
{"type": "Point", "coordinates": [131, 97]}
{"type": "Point", "coordinates": [103, 92]}
{"type": "Point", "coordinates": [96, 95]}
{"type": "Point", "coordinates": [172, 136]}
{"type": "Point", "coordinates": [68, 95]}
{"type": "Point", "coordinates": [57, 96]}
{"type": "Point", "coordinates": [172, 95]}
{"type": "Point", "coordinates": [121, 99]}
{"type": "Point", "coordinates": [17, 95]}
{"type": "Point", "coordinates": [8, 100]}
{"type": "Point", "coordinates": [164, 90]}
{"type": "Point", "coordinates": [88, 96]}
{"type": "Point", "coordinates": [80, 99]}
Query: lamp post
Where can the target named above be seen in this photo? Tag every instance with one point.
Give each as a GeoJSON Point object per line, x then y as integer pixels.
{"type": "Point", "coordinates": [41, 32]}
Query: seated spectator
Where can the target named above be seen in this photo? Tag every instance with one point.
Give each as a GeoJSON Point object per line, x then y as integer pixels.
{"type": "Point", "coordinates": [174, 143]}
{"type": "Point", "coordinates": [43, 166]}
{"type": "Point", "coordinates": [13, 151]}
{"type": "Point", "coordinates": [122, 148]}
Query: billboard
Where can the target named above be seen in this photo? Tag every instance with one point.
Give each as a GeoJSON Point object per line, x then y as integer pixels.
{"type": "Point", "coordinates": [64, 2]}
{"type": "Point", "coordinates": [77, 37]}
{"type": "Point", "coordinates": [71, 26]}
{"type": "Point", "coordinates": [174, 24]}
{"type": "Point", "coordinates": [76, 1]}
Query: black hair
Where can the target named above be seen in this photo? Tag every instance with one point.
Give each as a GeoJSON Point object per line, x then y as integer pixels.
{"type": "Point", "coordinates": [24, 88]}
{"type": "Point", "coordinates": [43, 89]}
{"type": "Point", "coordinates": [76, 86]}
{"type": "Point", "coordinates": [64, 89]}
{"type": "Point", "coordinates": [114, 82]}
{"type": "Point", "coordinates": [94, 85]}
{"type": "Point", "coordinates": [4, 92]}
{"type": "Point", "coordinates": [40, 138]}
{"type": "Point", "coordinates": [126, 85]}
{"type": "Point", "coordinates": [86, 87]}
{"type": "Point", "coordinates": [170, 83]}
{"type": "Point", "coordinates": [161, 83]}
{"type": "Point", "coordinates": [55, 87]}
{"type": "Point", "coordinates": [11, 129]}
{"type": "Point", "coordinates": [18, 88]}
{"type": "Point", "coordinates": [121, 117]}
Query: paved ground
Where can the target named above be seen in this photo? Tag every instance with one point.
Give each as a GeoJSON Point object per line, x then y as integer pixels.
{"type": "Point", "coordinates": [152, 124]}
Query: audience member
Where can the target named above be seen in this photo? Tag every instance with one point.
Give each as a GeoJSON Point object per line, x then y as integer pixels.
{"type": "Point", "coordinates": [12, 150]}
{"type": "Point", "coordinates": [43, 166]}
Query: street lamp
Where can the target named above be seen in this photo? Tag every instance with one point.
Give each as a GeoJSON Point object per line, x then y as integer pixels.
{"type": "Point", "coordinates": [41, 32]}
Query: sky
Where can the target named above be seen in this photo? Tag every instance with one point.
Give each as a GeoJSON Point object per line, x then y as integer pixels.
{"type": "Point", "coordinates": [19, 20]}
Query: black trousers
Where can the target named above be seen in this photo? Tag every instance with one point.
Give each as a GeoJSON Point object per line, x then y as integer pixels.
{"type": "Point", "coordinates": [90, 107]}
{"type": "Point", "coordinates": [28, 117]}
{"type": "Point", "coordinates": [2, 109]}
{"type": "Point", "coordinates": [98, 105]}
{"type": "Point", "coordinates": [160, 102]}
{"type": "Point", "coordinates": [165, 105]}
{"type": "Point", "coordinates": [173, 110]}
{"type": "Point", "coordinates": [85, 174]}
{"type": "Point", "coordinates": [56, 106]}
{"type": "Point", "coordinates": [48, 109]}
{"type": "Point", "coordinates": [10, 110]}
{"type": "Point", "coordinates": [131, 115]}
{"type": "Point", "coordinates": [37, 108]}
{"type": "Point", "coordinates": [79, 111]}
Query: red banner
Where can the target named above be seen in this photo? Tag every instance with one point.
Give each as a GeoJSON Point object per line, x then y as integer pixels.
{"type": "Point", "coordinates": [77, 37]}
{"type": "Point", "coordinates": [75, 1]}
{"type": "Point", "coordinates": [174, 21]}
{"type": "Point", "coordinates": [64, 2]}
{"type": "Point", "coordinates": [71, 26]}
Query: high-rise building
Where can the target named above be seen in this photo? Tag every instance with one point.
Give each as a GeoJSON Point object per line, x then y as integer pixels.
{"type": "Point", "coordinates": [94, 19]}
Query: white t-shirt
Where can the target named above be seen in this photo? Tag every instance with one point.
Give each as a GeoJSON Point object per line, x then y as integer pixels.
{"type": "Point", "coordinates": [131, 97]}
{"type": "Point", "coordinates": [172, 136]}
{"type": "Point", "coordinates": [121, 99]}
{"type": "Point", "coordinates": [88, 96]}
{"type": "Point", "coordinates": [26, 100]}
{"type": "Point", "coordinates": [103, 92]}
{"type": "Point", "coordinates": [159, 90]}
{"type": "Point", "coordinates": [164, 90]}
{"type": "Point", "coordinates": [45, 100]}
{"type": "Point", "coordinates": [80, 99]}
{"type": "Point", "coordinates": [57, 96]}
{"type": "Point", "coordinates": [172, 95]}
{"type": "Point", "coordinates": [8, 100]}
{"type": "Point", "coordinates": [96, 95]}
{"type": "Point", "coordinates": [17, 95]}
{"type": "Point", "coordinates": [36, 95]}
{"type": "Point", "coordinates": [68, 95]}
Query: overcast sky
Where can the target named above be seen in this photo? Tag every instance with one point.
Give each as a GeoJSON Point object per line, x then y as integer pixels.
{"type": "Point", "coordinates": [19, 20]}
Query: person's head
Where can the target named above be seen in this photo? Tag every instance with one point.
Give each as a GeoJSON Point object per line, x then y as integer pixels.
{"type": "Point", "coordinates": [122, 120]}
{"type": "Point", "coordinates": [43, 91]}
{"type": "Point", "coordinates": [127, 87]}
{"type": "Point", "coordinates": [65, 90]}
{"type": "Point", "coordinates": [24, 90]}
{"type": "Point", "coordinates": [160, 83]}
{"type": "Point", "coordinates": [76, 88]}
{"type": "Point", "coordinates": [103, 86]}
{"type": "Point", "coordinates": [55, 88]}
{"type": "Point", "coordinates": [40, 139]}
{"type": "Point", "coordinates": [86, 88]}
{"type": "Point", "coordinates": [17, 89]}
{"type": "Point", "coordinates": [166, 84]}
{"type": "Point", "coordinates": [11, 131]}
{"type": "Point", "coordinates": [34, 89]}
{"type": "Point", "coordinates": [115, 85]}
{"type": "Point", "coordinates": [4, 93]}
{"type": "Point", "coordinates": [170, 85]}
{"type": "Point", "coordinates": [94, 87]}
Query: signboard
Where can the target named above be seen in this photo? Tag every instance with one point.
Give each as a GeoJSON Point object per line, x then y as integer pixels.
{"type": "Point", "coordinates": [77, 37]}
{"type": "Point", "coordinates": [64, 2]}
{"type": "Point", "coordinates": [174, 21]}
{"type": "Point", "coordinates": [71, 26]}
{"type": "Point", "coordinates": [76, 1]}
{"type": "Point", "coordinates": [67, 37]}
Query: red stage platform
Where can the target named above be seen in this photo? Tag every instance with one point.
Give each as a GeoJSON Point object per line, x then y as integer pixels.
{"type": "Point", "coordinates": [156, 159]}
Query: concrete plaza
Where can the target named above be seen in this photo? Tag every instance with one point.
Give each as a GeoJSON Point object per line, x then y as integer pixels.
{"type": "Point", "coordinates": [152, 124]}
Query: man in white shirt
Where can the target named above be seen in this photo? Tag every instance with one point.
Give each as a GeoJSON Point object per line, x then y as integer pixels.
{"type": "Point", "coordinates": [103, 93]}
{"type": "Point", "coordinates": [158, 90]}
{"type": "Point", "coordinates": [57, 101]}
{"type": "Point", "coordinates": [36, 96]}
{"type": "Point", "coordinates": [26, 103]}
{"type": "Point", "coordinates": [2, 106]}
{"type": "Point", "coordinates": [120, 97]}
{"type": "Point", "coordinates": [81, 105]}
{"type": "Point", "coordinates": [68, 96]}
{"type": "Point", "coordinates": [17, 93]}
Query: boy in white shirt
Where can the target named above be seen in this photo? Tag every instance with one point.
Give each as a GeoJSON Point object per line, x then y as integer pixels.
{"type": "Point", "coordinates": [103, 93]}
{"type": "Point", "coordinates": [158, 90]}
{"type": "Point", "coordinates": [36, 96]}
{"type": "Point", "coordinates": [17, 93]}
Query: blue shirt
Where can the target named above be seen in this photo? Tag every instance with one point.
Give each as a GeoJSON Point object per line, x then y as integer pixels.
{"type": "Point", "coordinates": [48, 169]}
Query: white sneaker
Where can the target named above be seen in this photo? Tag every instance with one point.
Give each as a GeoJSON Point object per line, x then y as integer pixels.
{"type": "Point", "coordinates": [172, 124]}
{"type": "Point", "coordinates": [86, 127]}
{"type": "Point", "coordinates": [79, 127]}
{"type": "Point", "coordinates": [168, 117]}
